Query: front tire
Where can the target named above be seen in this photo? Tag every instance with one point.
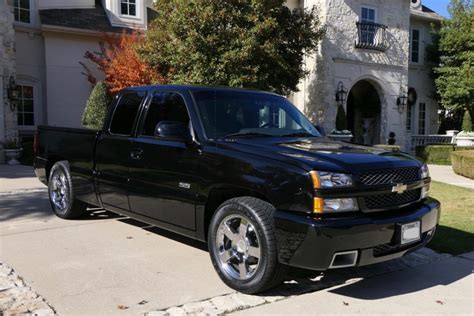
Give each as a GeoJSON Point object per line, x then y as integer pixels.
{"type": "Point", "coordinates": [61, 193]}
{"type": "Point", "coordinates": [242, 245]}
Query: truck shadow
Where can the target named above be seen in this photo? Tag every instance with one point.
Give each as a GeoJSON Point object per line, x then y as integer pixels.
{"type": "Point", "coordinates": [409, 280]}
{"type": "Point", "coordinates": [415, 272]}
{"type": "Point", "coordinates": [165, 233]}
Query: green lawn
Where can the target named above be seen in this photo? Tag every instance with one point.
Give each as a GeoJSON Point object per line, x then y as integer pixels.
{"type": "Point", "coordinates": [455, 233]}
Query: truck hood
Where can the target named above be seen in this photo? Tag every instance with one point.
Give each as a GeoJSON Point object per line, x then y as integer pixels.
{"type": "Point", "coordinates": [323, 154]}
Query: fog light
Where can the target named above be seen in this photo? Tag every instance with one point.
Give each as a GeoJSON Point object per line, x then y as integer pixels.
{"type": "Point", "coordinates": [425, 191]}
{"type": "Point", "coordinates": [335, 205]}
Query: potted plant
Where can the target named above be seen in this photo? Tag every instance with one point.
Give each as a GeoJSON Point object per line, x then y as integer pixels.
{"type": "Point", "coordinates": [12, 150]}
{"type": "Point", "coordinates": [466, 136]}
{"type": "Point", "coordinates": [341, 132]}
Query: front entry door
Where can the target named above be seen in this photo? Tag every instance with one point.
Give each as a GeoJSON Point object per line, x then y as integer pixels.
{"type": "Point", "coordinates": [163, 181]}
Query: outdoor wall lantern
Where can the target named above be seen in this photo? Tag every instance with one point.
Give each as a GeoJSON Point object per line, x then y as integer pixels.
{"type": "Point", "coordinates": [341, 94]}
{"type": "Point", "coordinates": [401, 101]}
{"type": "Point", "coordinates": [13, 93]}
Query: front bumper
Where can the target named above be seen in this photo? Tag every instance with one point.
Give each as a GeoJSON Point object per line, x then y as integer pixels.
{"type": "Point", "coordinates": [308, 242]}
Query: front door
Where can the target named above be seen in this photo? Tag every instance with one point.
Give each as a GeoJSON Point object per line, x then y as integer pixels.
{"type": "Point", "coordinates": [113, 153]}
{"type": "Point", "coordinates": [163, 180]}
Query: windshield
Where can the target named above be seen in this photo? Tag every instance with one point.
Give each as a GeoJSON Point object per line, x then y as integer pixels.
{"type": "Point", "coordinates": [251, 114]}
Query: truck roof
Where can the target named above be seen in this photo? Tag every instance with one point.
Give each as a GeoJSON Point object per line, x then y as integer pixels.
{"type": "Point", "coordinates": [194, 88]}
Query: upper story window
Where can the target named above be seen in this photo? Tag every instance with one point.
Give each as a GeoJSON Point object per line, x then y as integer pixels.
{"type": "Point", "coordinates": [368, 15]}
{"type": "Point", "coordinates": [22, 11]}
{"type": "Point", "coordinates": [128, 7]}
{"type": "Point", "coordinates": [371, 35]}
{"type": "Point", "coordinates": [415, 46]}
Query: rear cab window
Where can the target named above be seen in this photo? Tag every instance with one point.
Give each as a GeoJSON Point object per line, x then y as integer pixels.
{"type": "Point", "coordinates": [125, 113]}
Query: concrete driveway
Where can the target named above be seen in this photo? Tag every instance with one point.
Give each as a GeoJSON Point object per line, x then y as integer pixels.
{"type": "Point", "coordinates": [92, 266]}
{"type": "Point", "coordinates": [108, 264]}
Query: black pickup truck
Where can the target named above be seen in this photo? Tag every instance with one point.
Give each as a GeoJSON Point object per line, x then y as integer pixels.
{"type": "Point", "coordinates": [246, 172]}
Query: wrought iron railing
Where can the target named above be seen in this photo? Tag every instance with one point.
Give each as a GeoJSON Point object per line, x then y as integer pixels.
{"type": "Point", "coordinates": [421, 140]}
{"type": "Point", "coordinates": [371, 36]}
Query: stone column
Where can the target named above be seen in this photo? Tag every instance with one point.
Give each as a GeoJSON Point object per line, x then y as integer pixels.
{"type": "Point", "coordinates": [8, 122]}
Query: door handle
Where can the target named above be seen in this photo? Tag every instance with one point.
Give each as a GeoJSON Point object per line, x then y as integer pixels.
{"type": "Point", "coordinates": [136, 153]}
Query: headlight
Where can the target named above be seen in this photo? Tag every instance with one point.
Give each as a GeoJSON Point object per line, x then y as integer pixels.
{"type": "Point", "coordinates": [324, 179]}
{"type": "Point", "coordinates": [329, 206]}
{"type": "Point", "coordinates": [425, 172]}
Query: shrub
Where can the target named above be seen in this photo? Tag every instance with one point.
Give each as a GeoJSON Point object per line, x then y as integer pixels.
{"type": "Point", "coordinates": [119, 61]}
{"type": "Point", "coordinates": [96, 107]}
{"type": "Point", "coordinates": [388, 147]}
{"type": "Point", "coordinates": [467, 122]}
{"type": "Point", "coordinates": [341, 121]}
{"type": "Point", "coordinates": [438, 154]}
{"type": "Point", "coordinates": [463, 163]}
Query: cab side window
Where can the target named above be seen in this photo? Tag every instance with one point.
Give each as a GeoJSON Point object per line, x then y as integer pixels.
{"type": "Point", "coordinates": [165, 106]}
{"type": "Point", "coordinates": [125, 113]}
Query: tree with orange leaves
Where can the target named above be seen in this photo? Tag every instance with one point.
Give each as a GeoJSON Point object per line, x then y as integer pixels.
{"type": "Point", "coordinates": [121, 64]}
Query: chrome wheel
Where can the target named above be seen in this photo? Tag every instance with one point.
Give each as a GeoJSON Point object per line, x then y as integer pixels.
{"type": "Point", "coordinates": [59, 192]}
{"type": "Point", "coordinates": [238, 247]}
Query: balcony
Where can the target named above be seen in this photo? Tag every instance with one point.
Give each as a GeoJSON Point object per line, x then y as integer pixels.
{"type": "Point", "coordinates": [371, 36]}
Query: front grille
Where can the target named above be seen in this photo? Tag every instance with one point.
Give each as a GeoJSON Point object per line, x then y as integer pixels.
{"type": "Point", "coordinates": [390, 176]}
{"type": "Point", "coordinates": [391, 199]}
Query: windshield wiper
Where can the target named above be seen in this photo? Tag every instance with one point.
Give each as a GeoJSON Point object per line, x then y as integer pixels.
{"type": "Point", "coordinates": [248, 134]}
{"type": "Point", "coordinates": [298, 134]}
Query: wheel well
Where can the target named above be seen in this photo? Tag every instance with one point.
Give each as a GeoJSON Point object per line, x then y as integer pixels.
{"type": "Point", "coordinates": [50, 164]}
{"type": "Point", "coordinates": [218, 196]}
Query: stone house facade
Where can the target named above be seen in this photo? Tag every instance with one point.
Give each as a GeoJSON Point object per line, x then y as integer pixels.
{"type": "Point", "coordinates": [374, 51]}
{"type": "Point", "coordinates": [7, 73]}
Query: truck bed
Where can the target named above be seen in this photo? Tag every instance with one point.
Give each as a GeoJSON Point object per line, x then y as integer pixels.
{"type": "Point", "coordinates": [77, 146]}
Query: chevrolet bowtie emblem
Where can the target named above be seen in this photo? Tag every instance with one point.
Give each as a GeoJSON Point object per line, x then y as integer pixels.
{"type": "Point", "coordinates": [399, 188]}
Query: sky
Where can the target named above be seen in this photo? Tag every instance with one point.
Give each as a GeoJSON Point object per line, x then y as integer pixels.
{"type": "Point", "coordinates": [439, 6]}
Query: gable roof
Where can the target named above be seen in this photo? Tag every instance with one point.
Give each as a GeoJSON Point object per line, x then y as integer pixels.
{"type": "Point", "coordinates": [426, 13]}
{"type": "Point", "coordinates": [94, 19]}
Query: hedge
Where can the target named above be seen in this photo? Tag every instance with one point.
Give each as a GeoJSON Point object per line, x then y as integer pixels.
{"type": "Point", "coordinates": [388, 147]}
{"type": "Point", "coordinates": [438, 154]}
{"type": "Point", "coordinates": [463, 163]}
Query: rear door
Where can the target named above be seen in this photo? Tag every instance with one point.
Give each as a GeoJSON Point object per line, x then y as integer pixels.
{"type": "Point", "coordinates": [163, 179]}
{"type": "Point", "coordinates": [113, 152]}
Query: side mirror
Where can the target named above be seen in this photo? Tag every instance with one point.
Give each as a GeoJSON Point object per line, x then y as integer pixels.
{"type": "Point", "coordinates": [320, 129]}
{"type": "Point", "coordinates": [173, 130]}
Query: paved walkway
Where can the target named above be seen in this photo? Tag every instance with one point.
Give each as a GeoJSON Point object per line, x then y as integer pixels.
{"type": "Point", "coordinates": [446, 174]}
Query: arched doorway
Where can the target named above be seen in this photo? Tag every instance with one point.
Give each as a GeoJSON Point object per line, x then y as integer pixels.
{"type": "Point", "coordinates": [363, 113]}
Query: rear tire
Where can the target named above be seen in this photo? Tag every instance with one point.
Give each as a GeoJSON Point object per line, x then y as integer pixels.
{"type": "Point", "coordinates": [242, 245]}
{"type": "Point", "coordinates": [61, 193]}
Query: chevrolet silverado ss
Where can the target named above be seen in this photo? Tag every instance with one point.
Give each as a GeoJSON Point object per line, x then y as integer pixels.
{"type": "Point", "coordinates": [247, 173]}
